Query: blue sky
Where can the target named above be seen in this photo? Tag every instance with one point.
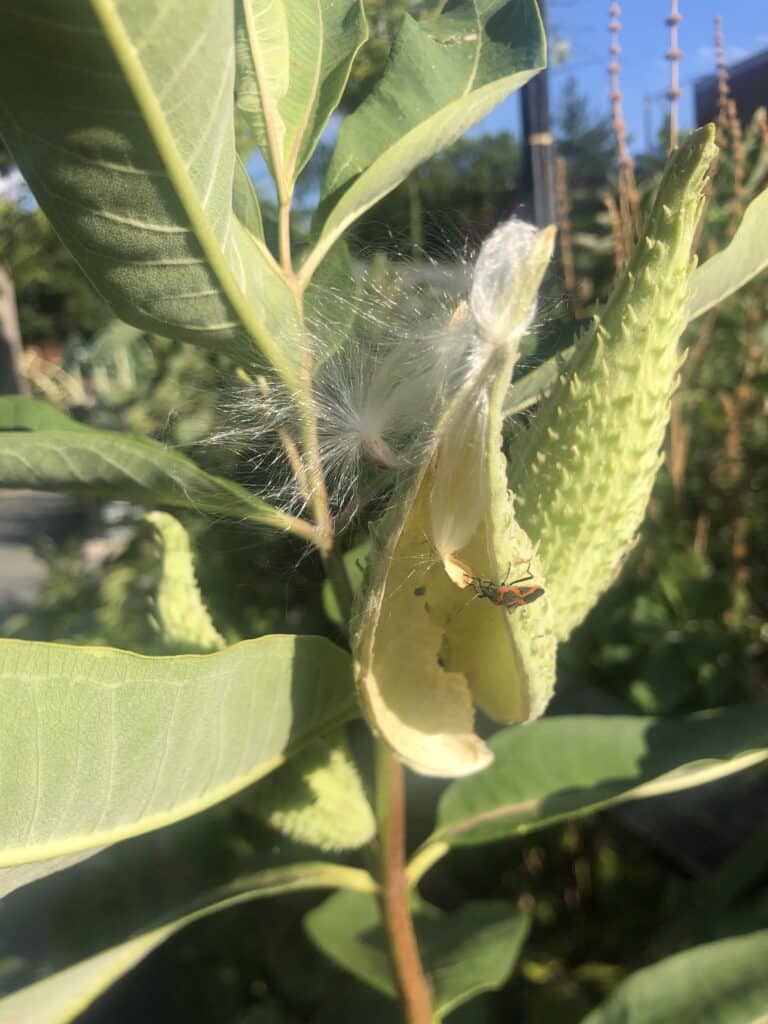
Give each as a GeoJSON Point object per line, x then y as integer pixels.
{"type": "Point", "coordinates": [583, 24]}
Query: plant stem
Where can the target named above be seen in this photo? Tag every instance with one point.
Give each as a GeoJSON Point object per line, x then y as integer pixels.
{"type": "Point", "coordinates": [284, 236]}
{"type": "Point", "coordinates": [313, 468]}
{"type": "Point", "coordinates": [336, 573]}
{"type": "Point", "coordinates": [293, 524]}
{"type": "Point", "coordinates": [411, 981]}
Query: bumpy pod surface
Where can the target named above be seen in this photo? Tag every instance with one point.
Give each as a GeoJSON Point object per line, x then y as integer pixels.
{"type": "Point", "coordinates": [584, 470]}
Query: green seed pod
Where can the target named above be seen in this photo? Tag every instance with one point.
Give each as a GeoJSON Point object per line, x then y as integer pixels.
{"type": "Point", "coordinates": [183, 622]}
{"type": "Point", "coordinates": [317, 798]}
{"type": "Point", "coordinates": [584, 470]}
{"type": "Point", "coordinates": [429, 644]}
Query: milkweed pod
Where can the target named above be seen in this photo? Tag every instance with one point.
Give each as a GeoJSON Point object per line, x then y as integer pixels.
{"type": "Point", "coordinates": [459, 493]}
{"type": "Point", "coordinates": [426, 653]}
{"type": "Point", "coordinates": [584, 469]}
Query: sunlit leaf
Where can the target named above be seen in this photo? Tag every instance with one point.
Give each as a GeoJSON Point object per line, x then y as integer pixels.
{"type": "Point", "coordinates": [743, 258]}
{"type": "Point", "coordinates": [54, 453]}
{"type": "Point", "coordinates": [98, 745]}
{"type": "Point", "coordinates": [444, 75]}
{"type": "Point", "coordinates": [564, 766]}
{"type": "Point", "coordinates": [293, 61]}
{"type": "Point", "coordinates": [120, 115]}
{"type": "Point", "coordinates": [20, 413]}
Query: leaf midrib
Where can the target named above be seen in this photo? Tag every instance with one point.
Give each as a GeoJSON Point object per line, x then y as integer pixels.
{"type": "Point", "coordinates": [666, 782]}
{"type": "Point", "coordinates": [268, 107]}
{"type": "Point", "coordinates": [19, 856]}
{"type": "Point", "coordinates": [92, 443]}
{"type": "Point", "coordinates": [310, 106]}
{"type": "Point", "coordinates": [127, 57]}
{"type": "Point", "coordinates": [478, 51]}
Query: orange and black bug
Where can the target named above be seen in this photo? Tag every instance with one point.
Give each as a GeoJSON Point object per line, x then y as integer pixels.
{"type": "Point", "coordinates": [509, 594]}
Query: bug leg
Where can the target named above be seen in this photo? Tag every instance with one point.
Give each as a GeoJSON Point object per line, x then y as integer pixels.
{"type": "Point", "coordinates": [528, 574]}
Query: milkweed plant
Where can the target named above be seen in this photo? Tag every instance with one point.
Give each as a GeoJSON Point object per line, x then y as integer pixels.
{"type": "Point", "coordinates": [488, 534]}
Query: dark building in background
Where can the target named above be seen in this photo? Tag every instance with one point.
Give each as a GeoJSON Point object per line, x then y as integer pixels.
{"type": "Point", "coordinates": [748, 82]}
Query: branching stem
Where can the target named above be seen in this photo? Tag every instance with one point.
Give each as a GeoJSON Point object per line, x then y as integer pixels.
{"type": "Point", "coordinates": [313, 468]}
{"type": "Point", "coordinates": [412, 984]}
{"type": "Point", "coordinates": [300, 528]}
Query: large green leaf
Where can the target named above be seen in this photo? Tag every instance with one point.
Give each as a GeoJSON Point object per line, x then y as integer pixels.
{"type": "Point", "coordinates": [444, 75]}
{"type": "Point", "coordinates": [293, 61]}
{"type": "Point", "coordinates": [104, 463]}
{"type": "Point", "coordinates": [570, 765]}
{"type": "Point", "coordinates": [722, 982]}
{"type": "Point", "coordinates": [98, 745]}
{"type": "Point", "coordinates": [469, 951]}
{"type": "Point", "coordinates": [63, 996]}
{"type": "Point", "coordinates": [120, 115]}
{"type": "Point", "coordinates": [742, 259]}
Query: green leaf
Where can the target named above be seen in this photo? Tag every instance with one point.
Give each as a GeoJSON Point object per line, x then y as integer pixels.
{"type": "Point", "coordinates": [63, 996]}
{"type": "Point", "coordinates": [98, 745]}
{"type": "Point", "coordinates": [566, 766]}
{"type": "Point", "coordinates": [20, 413]}
{"type": "Point", "coordinates": [108, 464]}
{"type": "Point", "coordinates": [183, 620]}
{"type": "Point", "coordinates": [293, 61]}
{"type": "Point", "coordinates": [722, 982]}
{"type": "Point", "coordinates": [469, 951]}
{"type": "Point", "coordinates": [742, 259]}
{"type": "Point", "coordinates": [444, 75]}
{"type": "Point", "coordinates": [120, 115]}
{"type": "Point", "coordinates": [533, 386]}
{"type": "Point", "coordinates": [317, 798]}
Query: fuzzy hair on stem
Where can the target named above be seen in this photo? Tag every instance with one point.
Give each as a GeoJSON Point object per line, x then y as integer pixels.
{"type": "Point", "coordinates": [387, 361]}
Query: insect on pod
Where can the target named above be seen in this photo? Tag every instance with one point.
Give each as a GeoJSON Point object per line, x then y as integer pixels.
{"type": "Point", "coordinates": [511, 594]}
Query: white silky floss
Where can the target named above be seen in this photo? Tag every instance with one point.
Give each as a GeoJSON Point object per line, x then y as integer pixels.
{"type": "Point", "coordinates": [502, 303]}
